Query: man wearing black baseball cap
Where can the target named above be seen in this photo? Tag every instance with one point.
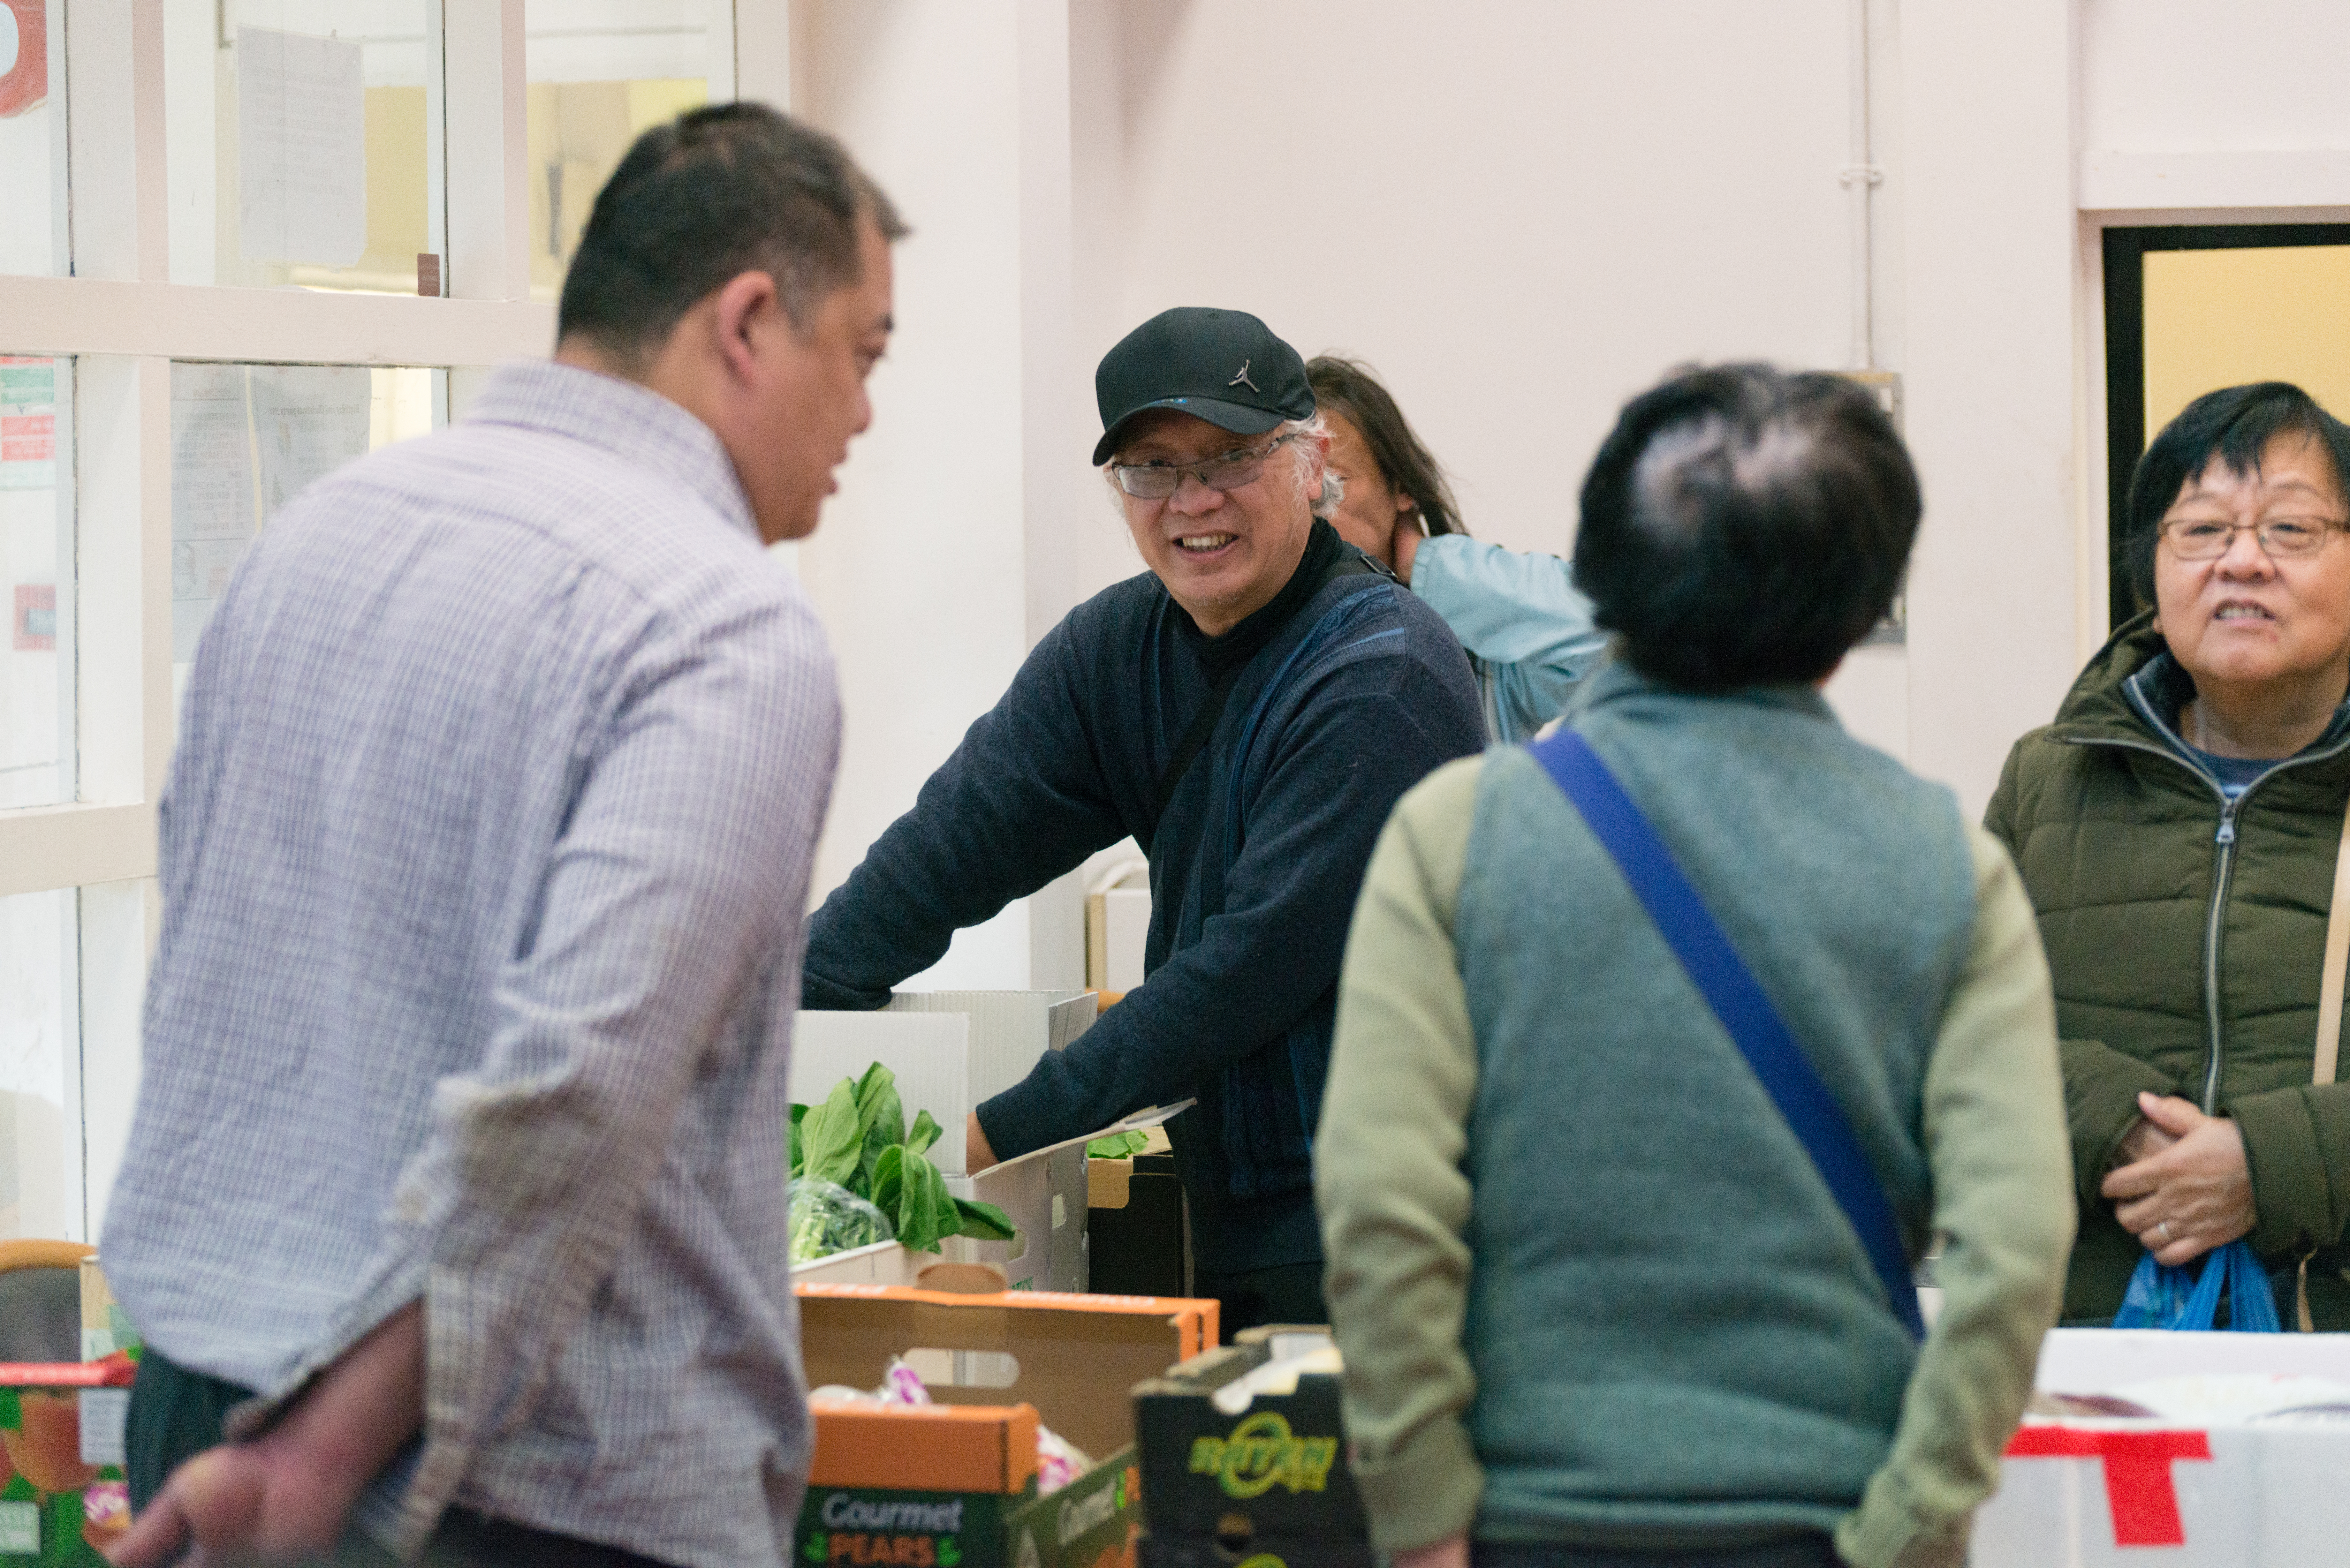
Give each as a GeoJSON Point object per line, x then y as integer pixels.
{"type": "Point", "coordinates": [1248, 710]}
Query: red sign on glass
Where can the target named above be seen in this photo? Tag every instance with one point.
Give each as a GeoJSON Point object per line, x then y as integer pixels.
{"type": "Point", "coordinates": [24, 56]}
{"type": "Point", "coordinates": [29, 438]}
{"type": "Point", "coordinates": [36, 620]}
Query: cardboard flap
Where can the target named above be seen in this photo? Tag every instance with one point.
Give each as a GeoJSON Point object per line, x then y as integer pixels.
{"type": "Point", "coordinates": [1077, 1356]}
{"type": "Point", "coordinates": [951, 1448]}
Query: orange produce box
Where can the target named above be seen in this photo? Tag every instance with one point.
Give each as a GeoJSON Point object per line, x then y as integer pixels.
{"type": "Point", "coordinates": [953, 1484]}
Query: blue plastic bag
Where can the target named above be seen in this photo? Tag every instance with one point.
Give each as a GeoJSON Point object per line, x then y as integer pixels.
{"type": "Point", "coordinates": [2176, 1298]}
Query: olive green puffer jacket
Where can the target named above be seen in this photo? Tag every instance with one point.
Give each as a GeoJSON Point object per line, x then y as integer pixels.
{"type": "Point", "coordinates": [2185, 937]}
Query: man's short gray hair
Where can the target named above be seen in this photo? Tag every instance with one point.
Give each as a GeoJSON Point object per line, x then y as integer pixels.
{"type": "Point", "coordinates": [1334, 489]}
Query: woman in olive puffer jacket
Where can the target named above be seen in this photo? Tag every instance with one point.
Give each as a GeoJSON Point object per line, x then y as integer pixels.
{"type": "Point", "coordinates": [2176, 829]}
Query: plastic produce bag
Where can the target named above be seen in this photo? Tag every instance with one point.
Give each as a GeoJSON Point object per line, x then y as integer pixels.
{"type": "Point", "coordinates": [827, 1218]}
{"type": "Point", "coordinates": [2176, 1298]}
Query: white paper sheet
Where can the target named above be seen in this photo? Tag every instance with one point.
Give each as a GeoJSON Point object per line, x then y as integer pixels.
{"type": "Point", "coordinates": [301, 125]}
{"type": "Point", "coordinates": [307, 422]}
{"type": "Point", "coordinates": [211, 471]}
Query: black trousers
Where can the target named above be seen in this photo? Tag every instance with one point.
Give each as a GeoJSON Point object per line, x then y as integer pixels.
{"type": "Point", "coordinates": [1288, 1293]}
{"type": "Point", "coordinates": [176, 1413]}
{"type": "Point", "coordinates": [1810, 1551]}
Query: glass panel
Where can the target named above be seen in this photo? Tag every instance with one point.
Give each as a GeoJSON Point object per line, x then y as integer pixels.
{"type": "Point", "coordinates": [32, 138]}
{"type": "Point", "coordinates": [41, 1068]}
{"type": "Point", "coordinates": [36, 533]}
{"type": "Point", "coordinates": [246, 439]}
{"type": "Point", "coordinates": [298, 152]}
{"type": "Point", "coordinates": [601, 71]}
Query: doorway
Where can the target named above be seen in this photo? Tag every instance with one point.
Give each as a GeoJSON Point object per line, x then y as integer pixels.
{"type": "Point", "coordinates": [2192, 308]}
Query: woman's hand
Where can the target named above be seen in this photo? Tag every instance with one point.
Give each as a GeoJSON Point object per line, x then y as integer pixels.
{"type": "Point", "coordinates": [2189, 1196]}
{"type": "Point", "coordinates": [2143, 1141]}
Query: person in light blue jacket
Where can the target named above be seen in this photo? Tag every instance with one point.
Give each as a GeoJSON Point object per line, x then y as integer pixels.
{"type": "Point", "coordinates": [1529, 633]}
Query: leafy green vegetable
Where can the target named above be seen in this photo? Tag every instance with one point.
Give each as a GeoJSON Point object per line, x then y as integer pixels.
{"type": "Point", "coordinates": [870, 1175]}
{"type": "Point", "coordinates": [1118, 1145]}
{"type": "Point", "coordinates": [985, 1221]}
{"type": "Point", "coordinates": [879, 1115]}
{"type": "Point", "coordinates": [832, 1139]}
{"type": "Point", "coordinates": [926, 1133]}
{"type": "Point", "coordinates": [828, 1219]}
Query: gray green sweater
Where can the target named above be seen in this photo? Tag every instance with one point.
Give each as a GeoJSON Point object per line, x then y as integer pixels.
{"type": "Point", "coordinates": [1589, 1288]}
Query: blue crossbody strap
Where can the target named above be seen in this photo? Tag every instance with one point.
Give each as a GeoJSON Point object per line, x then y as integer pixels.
{"type": "Point", "coordinates": [1738, 1000]}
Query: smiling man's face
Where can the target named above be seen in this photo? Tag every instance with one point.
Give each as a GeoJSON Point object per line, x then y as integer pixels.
{"type": "Point", "coordinates": [2246, 620]}
{"type": "Point", "coordinates": [1223, 555]}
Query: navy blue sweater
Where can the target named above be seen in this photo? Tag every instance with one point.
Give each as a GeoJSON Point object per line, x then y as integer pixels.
{"type": "Point", "coordinates": [1359, 692]}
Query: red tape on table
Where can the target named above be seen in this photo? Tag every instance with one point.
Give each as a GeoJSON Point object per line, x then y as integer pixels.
{"type": "Point", "coordinates": [2137, 1474]}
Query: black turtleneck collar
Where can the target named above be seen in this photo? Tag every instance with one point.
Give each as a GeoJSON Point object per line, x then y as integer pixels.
{"type": "Point", "coordinates": [1241, 644]}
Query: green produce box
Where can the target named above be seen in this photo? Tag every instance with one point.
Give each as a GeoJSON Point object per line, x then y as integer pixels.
{"type": "Point", "coordinates": [63, 1497]}
{"type": "Point", "coordinates": [953, 1484]}
{"type": "Point", "coordinates": [1274, 1468]}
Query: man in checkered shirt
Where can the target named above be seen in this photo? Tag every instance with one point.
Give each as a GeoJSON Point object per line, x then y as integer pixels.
{"type": "Point", "coordinates": [455, 1199]}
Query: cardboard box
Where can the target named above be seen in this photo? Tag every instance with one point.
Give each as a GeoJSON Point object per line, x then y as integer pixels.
{"type": "Point", "coordinates": [2243, 1493]}
{"type": "Point", "coordinates": [953, 1486]}
{"type": "Point", "coordinates": [1274, 1469]}
{"type": "Point", "coordinates": [63, 1497]}
{"type": "Point", "coordinates": [949, 1050]}
{"type": "Point", "coordinates": [1134, 1243]}
{"type": "Point", "coordinates": [1044, 1195]}
{"type": "Point", "coordinates": [882, 1264]}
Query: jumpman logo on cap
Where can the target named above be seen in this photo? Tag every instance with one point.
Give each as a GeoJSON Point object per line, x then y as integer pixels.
{"type": "Point", "coordinates": [1242, 380]}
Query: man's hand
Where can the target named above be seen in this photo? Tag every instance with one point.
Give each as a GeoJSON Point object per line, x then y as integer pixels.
{"type": "Point", "coordinates": [1451, 1554]}
{"type": "Point", "coordinates": [283, 1495]}
{"type": "Point", "coordinates": [2189, 1196]}
{"type": "Point", "coordinates": [976, 1155]}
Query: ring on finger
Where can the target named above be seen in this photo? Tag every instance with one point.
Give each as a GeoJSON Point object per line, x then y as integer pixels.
{"type": "Point", "coordinates": [2162, 1232]}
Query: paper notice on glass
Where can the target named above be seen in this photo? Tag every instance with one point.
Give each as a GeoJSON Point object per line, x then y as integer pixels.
{"type": "Point", "coordinates": [211, 472]}
{"type": "Point", "coordinates": [307, 421]}
{"type": "Point", "coordinates": [301, 126]}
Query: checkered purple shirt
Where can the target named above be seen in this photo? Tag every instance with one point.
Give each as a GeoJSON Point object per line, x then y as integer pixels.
{"type": "Point", "coordinates": [484, 861]}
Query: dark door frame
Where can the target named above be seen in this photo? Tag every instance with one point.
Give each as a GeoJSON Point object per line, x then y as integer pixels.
{"type": "Point", "coordinates": [2126, 432]}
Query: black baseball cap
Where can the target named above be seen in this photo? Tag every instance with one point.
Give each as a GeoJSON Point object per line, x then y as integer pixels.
{"type": "Point", "coordinates": [1222, 366]}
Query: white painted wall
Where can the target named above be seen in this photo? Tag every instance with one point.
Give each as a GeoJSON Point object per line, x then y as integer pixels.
{"type": "Point", "coordinates": [2184, 75]}
{"type": "Point", "coordinates": [1520, 215]}
{"type": "Point", "coordinates": [935, 569]}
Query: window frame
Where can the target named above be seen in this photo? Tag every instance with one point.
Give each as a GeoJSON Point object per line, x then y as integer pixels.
{"type": "Point", "coordinates": [122, 321]}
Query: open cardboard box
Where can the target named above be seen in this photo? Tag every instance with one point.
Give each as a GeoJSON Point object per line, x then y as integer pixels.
{"type": "Point", "coordinates": [63, 1497]}
{"type": "Point", "coordinates": [1261, 1479]}
{"type": "Point", "coordinates": [953, 1486]}
{"type": "Point", "coordinates": [949, 1050]}
{"type": "Point", "coordinates": [2242, 1493]}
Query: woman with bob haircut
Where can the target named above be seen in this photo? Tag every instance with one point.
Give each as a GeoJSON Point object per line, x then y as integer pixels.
{"type": "Point", "coordinates": [1529, 634]}
{"type": "Point", "coordinates": [1598, 1295]}
{"type": "Point", "coordinates": [2176, 828]}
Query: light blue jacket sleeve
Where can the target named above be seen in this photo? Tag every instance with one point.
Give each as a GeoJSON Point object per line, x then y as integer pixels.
{"type": "Point", "coordinates": [1520, 616]}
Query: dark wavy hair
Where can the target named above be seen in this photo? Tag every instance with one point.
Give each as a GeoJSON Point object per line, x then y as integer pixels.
{"type": "Point", "coordinates": [1347, 387]}
{"type": "Point", "coordinates": [2230, 427]}
{"type": "Point", "coordinates": [1742, 527]}
{"type": "Point", "coordinates": [715, 192]}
